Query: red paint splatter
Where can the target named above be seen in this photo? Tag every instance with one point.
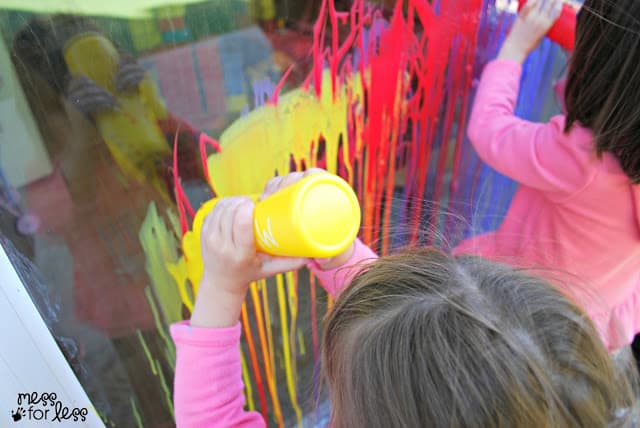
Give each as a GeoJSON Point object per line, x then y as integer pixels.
{"type": "Point", "coordinates": [203, 142]}
{"type": "Point", "coordinates": [276, 92]}
{"type": "Point", "coordinates": [177, 185]}
{"type": "Point", "coordinates": [415, 71]}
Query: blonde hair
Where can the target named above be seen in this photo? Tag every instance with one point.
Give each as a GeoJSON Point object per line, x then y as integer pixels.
{"type": "Point", "coordinates": [422, 338]}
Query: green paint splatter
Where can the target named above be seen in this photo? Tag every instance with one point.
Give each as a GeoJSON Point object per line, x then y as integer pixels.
{"type": "Point", "coordinates": [161, 248]}
{"type": "Point", "coordinates": [160, 326]}
{"type": "Point", "coordinates": [136, 413]}
{"type": "Point", "coordinates": [303, 349]}
{"type": "Point", "coordinates": [143, 342]}
{"type": "Point", "coordinates": [174, 222]}
{"type": "Point", "coordinates": [170, 356]}
{"type": "Point", "coordinates": [167, 392]}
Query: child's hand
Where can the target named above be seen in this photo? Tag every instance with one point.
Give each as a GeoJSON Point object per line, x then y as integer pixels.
{"type": "Point", "coordinates": [277, 183]}
{"type": "Point", "coordinates": [231, 263]}
{"type": "Point", "coordinates": [130, 73]}
{"type": "Point", "coordinates": [89, 97]}
{"type": "Point", "coordinates": [533, 22]}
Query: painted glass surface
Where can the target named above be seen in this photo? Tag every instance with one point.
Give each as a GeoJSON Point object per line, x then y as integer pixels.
{"type": "Point", "coordinates": [119, 119]}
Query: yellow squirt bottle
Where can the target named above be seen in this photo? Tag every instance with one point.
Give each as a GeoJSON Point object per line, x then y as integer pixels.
{"type": "Point", "coordinates": [316, 217]}
{"type": "Point", "coordinates": [130, 131]}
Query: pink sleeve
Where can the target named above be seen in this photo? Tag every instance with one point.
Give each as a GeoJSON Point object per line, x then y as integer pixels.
{"type": "Point", "coordinates": [208, 388]}
{"type": "Point", "coordinates": [334, 280]}
{"type": "Point", "coordinates": [537, 155]}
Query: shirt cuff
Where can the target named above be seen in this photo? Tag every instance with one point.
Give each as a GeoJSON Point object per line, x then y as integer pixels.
{"type": "Point", "coordinates": [505, 66]}
{"type": "Point", "coordinates": [336, 279]}
{"type": "Point", "coordinates": [183, 333]}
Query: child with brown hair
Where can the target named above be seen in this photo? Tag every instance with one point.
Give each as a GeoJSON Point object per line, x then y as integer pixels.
{"type": "Point", "coordinates": [420, 338]}
{"type": "Point", "coordinates": [577, 209]}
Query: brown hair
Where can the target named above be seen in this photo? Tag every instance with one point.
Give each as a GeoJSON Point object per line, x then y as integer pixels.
{"type": "Point", "coordinates": [426, 339]}
{"type": "Point", "coordinates": [603, 84]}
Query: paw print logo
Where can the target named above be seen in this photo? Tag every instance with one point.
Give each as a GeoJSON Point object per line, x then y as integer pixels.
{"type": "Point", "coordinates": [18, 414]}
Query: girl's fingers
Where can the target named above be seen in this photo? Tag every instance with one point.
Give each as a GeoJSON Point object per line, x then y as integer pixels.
{"type": "Point", "coordinates": [311, 171]}
{"type": "Point", "coordinates": [549, 8]}
{"type": "Point", "coordinates": [88, 96]}
{"type": "Point", "coordinates": [129, 77]}
{"type": "Point", "coordinates": [211, 227]}
{"type": "Point", "coordinates": [280, 182]}
{"type": "Point", "coordinates": [289, 179]}
{"type": "Point", "coordinates": [227, 222]}
{"type": "Point", "coordinates": [530, 6]}
{"type": "Point", "coordinates": [271, 187]}
{"type": "Point", "coordinates": [555, 9]}
{"type": "Point", "coordinates": [242, 229]}
{"type": "Point", "coordinates": [275, 265]}
{"type": "Point", "coordinates": [223, 206]}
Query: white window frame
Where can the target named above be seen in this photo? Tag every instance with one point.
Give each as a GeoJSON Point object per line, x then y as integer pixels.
{"type": "Point", "coordinates": [30, 359]}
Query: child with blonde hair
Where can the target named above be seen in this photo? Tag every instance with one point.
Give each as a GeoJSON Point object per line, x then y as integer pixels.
{"type": "Point", "coordinates": [419, 338]}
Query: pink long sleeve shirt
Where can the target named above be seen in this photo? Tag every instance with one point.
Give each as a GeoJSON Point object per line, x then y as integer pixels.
{"type": "Point", "coordinates": [573, 211]}
{"type": "Point", "coordinates": [208, 387]}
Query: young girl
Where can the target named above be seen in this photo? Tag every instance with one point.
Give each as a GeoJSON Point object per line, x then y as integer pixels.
{"type": "Point", "coordinates": [577, 209]}
{"type": "Point", "coordinates": [420, 338]}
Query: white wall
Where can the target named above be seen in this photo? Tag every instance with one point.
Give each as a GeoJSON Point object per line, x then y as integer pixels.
{"type": "Point", "coordinates": [23, 157]}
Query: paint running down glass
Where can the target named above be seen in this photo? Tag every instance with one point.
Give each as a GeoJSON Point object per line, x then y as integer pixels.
{"type": "Point", "coordinates": [112, 156]}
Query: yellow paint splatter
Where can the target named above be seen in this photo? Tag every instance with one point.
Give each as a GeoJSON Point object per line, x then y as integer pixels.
{"type": "Point", "coordinates": [254, 147]}
{"type": "Point", "coordinates": [267, 321]}
{"type": "Point", "coordinates": [251, 405]}
{"type": "Point", "coordinates": [286, 350]}
{"type": "Point", "coordinates": [262, 142]}
{"type": "Point", "coordinates": [292, 294]}
{"type": "Point", "coordinates": [268, 368]}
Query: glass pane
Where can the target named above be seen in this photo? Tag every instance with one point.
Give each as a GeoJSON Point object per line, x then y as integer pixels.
{"type": "Point", "coordinates": [103, 104]}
